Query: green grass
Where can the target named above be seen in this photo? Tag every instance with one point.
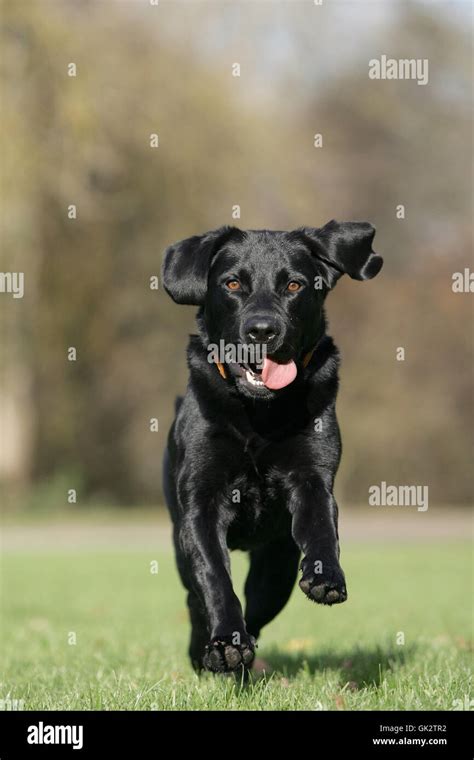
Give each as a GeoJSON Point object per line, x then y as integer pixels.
{"type": "Point", "coordinates": [132, 630]}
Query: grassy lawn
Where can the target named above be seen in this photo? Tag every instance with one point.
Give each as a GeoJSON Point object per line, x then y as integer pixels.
{"type": "Point", "coordinates": [131, 635]}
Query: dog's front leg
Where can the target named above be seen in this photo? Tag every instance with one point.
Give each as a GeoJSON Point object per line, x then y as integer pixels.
{"type": "Point", "coordinates": [203, 554]}
{"type": "Point", "coordinates": [314, 528]}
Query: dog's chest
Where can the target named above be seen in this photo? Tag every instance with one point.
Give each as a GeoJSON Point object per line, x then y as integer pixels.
{"type": "Point", "coordinates": [259, 511]}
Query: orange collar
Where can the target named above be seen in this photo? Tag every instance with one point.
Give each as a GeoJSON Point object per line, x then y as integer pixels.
{"type": "Point", "coordinates": [306, 360]}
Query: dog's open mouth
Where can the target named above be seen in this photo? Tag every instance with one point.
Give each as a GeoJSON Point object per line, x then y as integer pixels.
{"type": "Point", "coordinates": [253, 374]}
{"type": "Point", "coordinates": [272, 374]}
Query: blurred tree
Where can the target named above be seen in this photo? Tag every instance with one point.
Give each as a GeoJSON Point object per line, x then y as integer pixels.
{"type": "Point", "coordinates": [85, 140]}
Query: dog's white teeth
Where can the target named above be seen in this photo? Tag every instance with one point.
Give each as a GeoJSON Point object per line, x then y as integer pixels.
{"type": "Point", "coordinates": [252, 380]}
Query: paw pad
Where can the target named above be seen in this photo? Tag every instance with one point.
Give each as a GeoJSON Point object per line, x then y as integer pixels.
{"type": "Point", "coordinates": [325, 591]}
{"type": "Point", "coordinates": [222, 656]}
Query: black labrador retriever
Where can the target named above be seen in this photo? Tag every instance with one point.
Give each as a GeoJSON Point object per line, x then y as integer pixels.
{"type": "Point", "coordinates": [255, 446]}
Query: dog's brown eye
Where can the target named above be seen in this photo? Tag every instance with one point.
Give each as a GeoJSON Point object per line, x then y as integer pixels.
{"type": "Point", "coordinates": [233, 284]}
{"type": "Point", "coordinates": [293, 286]}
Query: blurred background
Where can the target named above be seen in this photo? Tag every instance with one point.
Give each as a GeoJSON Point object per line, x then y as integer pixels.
{"type": "Point", "coordinates": [223, 141]}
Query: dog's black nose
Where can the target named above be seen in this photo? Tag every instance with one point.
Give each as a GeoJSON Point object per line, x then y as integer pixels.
{"type": "Point", "coordinates": [261, 329]}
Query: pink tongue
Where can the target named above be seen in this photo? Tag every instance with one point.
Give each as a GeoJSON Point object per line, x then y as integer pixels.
{"type": "Point", "coordinates": [276, 376]}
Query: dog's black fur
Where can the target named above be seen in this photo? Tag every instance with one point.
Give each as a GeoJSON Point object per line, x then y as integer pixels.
{"type": "Point", "coordinates": [248, 467]}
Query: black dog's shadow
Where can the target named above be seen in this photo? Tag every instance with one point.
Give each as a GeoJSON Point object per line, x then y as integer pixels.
{"type": "Point", "coordinates": [358, 666]}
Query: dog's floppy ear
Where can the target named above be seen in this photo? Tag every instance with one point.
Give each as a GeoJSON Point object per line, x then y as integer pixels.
{"type": "Point", "coordinates": [345, 248]}
{"type": "Point", "coordinates": [186, 265]}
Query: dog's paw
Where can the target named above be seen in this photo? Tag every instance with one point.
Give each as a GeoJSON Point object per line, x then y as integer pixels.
{"type": "Point", "coordinates": [323, 583]}
{"type": "Point", "coordinates": [223, 655]}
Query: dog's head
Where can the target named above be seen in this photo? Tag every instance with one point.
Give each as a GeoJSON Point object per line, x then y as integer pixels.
{"type": "Point", "coordinates": [263, 291]}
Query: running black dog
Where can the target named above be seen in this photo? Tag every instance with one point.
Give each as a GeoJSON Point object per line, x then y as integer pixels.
{"type": "Point", "coordinates": [254, 449]}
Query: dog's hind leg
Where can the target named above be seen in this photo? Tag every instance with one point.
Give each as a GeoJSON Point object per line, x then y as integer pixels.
{"type": "Point", "coordinates": [199, 631]}
{"type": "Point", "coordinates": [197, 616]}
{"type": "Point", "coordinates": [270, 581]}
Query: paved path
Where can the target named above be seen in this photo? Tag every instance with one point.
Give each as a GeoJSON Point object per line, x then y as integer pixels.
{"type": "Point", "coordinates": [152, 530]}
